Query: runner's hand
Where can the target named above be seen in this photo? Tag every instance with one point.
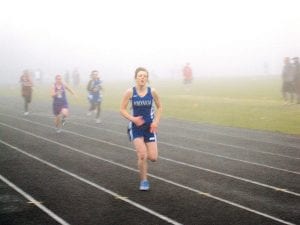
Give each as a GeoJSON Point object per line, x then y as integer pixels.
{"type": "Point", "coordinates": [153, 127]}
{"type": "Point", "coordinates": [138, 121]}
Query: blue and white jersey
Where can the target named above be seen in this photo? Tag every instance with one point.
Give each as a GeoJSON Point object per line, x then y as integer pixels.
{"type": "Point", "coordinates": [95, 90]}
{"type": "Point", "coordinates": [143, 106]}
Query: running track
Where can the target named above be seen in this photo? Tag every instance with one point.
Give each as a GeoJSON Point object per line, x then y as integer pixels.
{"type": "Point", "coordinates": [87, 174]}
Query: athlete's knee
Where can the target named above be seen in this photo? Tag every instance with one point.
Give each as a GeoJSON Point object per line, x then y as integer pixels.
{"type": "Point", "coordinates": [152, 158]}
{"type": "Point", "coordinates": [142, 156]}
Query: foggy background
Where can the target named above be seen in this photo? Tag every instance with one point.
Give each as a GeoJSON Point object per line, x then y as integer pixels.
{"type": "Point", "coordinates": [218, 38]}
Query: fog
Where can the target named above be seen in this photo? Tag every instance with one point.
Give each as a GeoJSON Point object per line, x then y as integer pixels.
{"type": "Point", "coordinates": [218, 38]}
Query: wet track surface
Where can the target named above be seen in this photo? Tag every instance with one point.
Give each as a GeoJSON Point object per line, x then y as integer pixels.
{"type": "Point", "coordinates": [88, 175]}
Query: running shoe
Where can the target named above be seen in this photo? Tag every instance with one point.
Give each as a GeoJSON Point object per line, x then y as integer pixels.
{"type": "Point", "coordinates": [26, 113]}
{"type": "Point", "coordinates": [58, 130]}
{"type": "Point", "coordinates": [98, 120]}
{"type": "Point", "coordinates": [144, 185]}
{"type": "Point", "coordinates": [63, 121]}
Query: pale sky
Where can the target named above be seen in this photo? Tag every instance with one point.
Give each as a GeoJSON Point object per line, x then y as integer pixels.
{"type": "Point", "coordinates": [218, 37]}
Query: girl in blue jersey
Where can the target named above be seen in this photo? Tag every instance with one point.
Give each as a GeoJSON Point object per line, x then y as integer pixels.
{"type": "Point", "coordinates": [60, 103]}
{"type": "Point", "coordinates": [94, 88]}
{"type": "Point", "coordinates": [144, 121]}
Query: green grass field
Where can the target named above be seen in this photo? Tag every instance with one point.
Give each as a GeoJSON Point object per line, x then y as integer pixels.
{"type": "Point", "coordinates": [254, 103]}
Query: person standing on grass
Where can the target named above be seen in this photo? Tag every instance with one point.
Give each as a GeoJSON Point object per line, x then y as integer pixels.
{"type": "Point", "coordinates": [26, 84]}
{"type": "Point", "coordinates": [60, 103]}
{"type": "Point", "coordinates": [187, 74]}
{"type": "Point", "coordinates": [143, 123]}
{"type": "Point", "coordinates": [287, 81]}
{"type": "Point", "coordinates": [94, 89]}
{"type": "Point", "coordinates": [296, 73]}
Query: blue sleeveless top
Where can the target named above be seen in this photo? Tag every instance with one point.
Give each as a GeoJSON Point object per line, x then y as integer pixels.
{"type": "Point", "coordinates": [96, 84]}
{"type": "Point", "coordinates": [143, 106]}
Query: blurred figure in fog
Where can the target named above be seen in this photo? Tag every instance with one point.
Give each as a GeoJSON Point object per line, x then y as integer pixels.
{"type": "Point", "coordinates": [296, 74]}
{"type": "Point", "coordinates": [60, 103]}
{"type": "Point", "coordinates": [94, 89]}
{"type": "Point", "coordinates": [287, 81]}
{"type": "Point", "coordinates": [38, 76]}
{"type": "Point", "coordinates": [26, 85]}
{"type": "Point", "coordinates": [67, 77]}
{"type": "Point", "coordinates": [76, 78]}
{"type": "Point", "coordinates": [187, 74]}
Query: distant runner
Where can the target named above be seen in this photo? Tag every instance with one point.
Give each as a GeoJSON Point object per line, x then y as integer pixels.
{"type": "Point", "coordinates": [26, 84]}
{"type": "Point", "coordinates": [94, 88]}
{"type": "Point", "coordinates": [60, 103]}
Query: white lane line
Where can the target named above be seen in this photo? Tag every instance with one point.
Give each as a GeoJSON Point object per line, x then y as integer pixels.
{"type": "Point", "coordinates": [167, 159]}
{"type": "Point", "coordinates": [114, 194]}
{"type": "Point", "coordinates": [33, 201]}
{"type": "Point", "coordinates": [225, 157]}
{"type": "Point", "coordinates": [242, 137]}
{"type": "Point", "coordinates": [205, 131]}
{"type": "Point", "coordinates": [232, 136]}
{"type": "Point", "coordinates": [219, 143]}
{"type": "Point", "coordinates": [222, 144]}
{"type": "Point", "coordinates": [236, 147]}
{"type": "Point", "coordinates": [191, 165]}
{"type": "Point", "coordinates": [150, 175]}
{"type": "Point", "coordinates": [196, 139]}
{"type": "Point", "coordinates": [178, 146]}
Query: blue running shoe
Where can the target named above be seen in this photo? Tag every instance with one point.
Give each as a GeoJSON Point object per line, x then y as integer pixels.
{"type": "Point", "coordinates": [144, 185]}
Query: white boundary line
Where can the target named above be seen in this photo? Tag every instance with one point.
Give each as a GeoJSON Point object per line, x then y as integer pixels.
{"type": "Point", "coordinates": [237, 147]}
{"type": "Point", "coordinates": [228, 135]}
{"type": "Point", "coordinates": [190, 138]}
{"type": "Point", "coordinates": [213, 132]}
{"type": "Point", "coordinates": [229, 145]}
{"type": "Point", "coordinates": [222, 144]}
{"type": "Point", "coordinates": [218, 133]}
{"type": "Point", "coordinates": [31, 199]}
{"type": "Point", "coordinates": [187, 164]}
{"type": "Point", "coordinates": [151, 175]}
{"type": "Point", "coordinates": [225, 157]}
{"type": "Point", "coordinates": [114, 194]}
{"type": "Point", "coordinates": [241, 137]}
{"type": "Point", "coordinates": [167, 159]}
{"type": "Point", "coordinates": [172, 145]}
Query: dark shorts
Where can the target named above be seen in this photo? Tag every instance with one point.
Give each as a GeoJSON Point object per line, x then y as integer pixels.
{"type": "Point", "coordinates": [141, 131]}
{"type": "Point", "coordinates": [58, 107]}
{"type": "Point", "coordinates": [27, 98]}
{"type": "Point", "coordinates": [288, 87]}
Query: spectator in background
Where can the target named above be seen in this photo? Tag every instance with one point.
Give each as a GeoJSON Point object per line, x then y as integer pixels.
{"type": "Point", "coordinates": [76, 78]}
{"type": "Point", "coordinates": [287, 81]}
{"type": "Point", "coordinates": [296, 74]}
{"type": "Point", "coordinates": [67, 77]}
{"type": "Point", "coordinates": [187, 74]}
{"type": "Point", "coordinates": [26, 84]}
